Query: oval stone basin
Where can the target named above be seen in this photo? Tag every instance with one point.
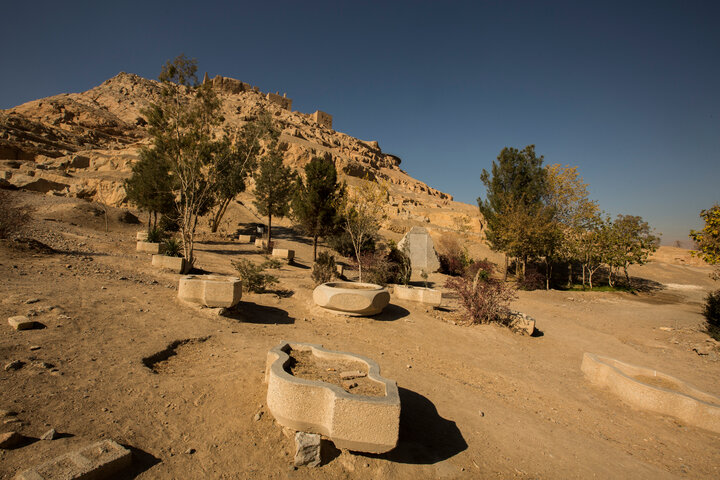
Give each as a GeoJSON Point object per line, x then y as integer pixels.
{"type": "Point", "coordinates": [350, 298]}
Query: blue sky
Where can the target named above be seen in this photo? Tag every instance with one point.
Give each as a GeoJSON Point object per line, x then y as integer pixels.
{"type": "Point", "coordinates": [627, 91]}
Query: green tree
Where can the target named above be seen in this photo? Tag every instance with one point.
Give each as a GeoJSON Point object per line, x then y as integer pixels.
{"type": "Point", "coordinates": [274, 187]}
{"type": "Point", "coordinates": [708, 239]}
{"type": "Point", "coordinates": [237, 159]}
{"type": "Point", "coordinates": [316, 201]}
{"type": "Point", "coordinates": [515, 192]}
{"type": "Point", "coordinates": [630, 241]}
{"type": "Point", "coordinates": [182, 125]}
{"type": "Point", "coordinates": [151, 187]}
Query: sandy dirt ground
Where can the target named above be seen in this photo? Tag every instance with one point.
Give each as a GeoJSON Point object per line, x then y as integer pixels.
{"type": "Point", "coordinates": [477, 402]}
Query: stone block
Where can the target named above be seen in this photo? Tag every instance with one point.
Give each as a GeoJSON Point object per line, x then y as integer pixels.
{"type": "Point", "coordinates": [307, 449]}
{"type": "Point", "coordinates": [141, 236]}
{"type": "Point", "coordinates": [355, 422]}
{"type": "Point", "coordinates": [284, 253]}
{"type": "Point", "coordinates": [350, 298]}
{"type": "Point", "coordinates": [648, 389]}
{"type": "Point", "coordinates": [99, 460]}
{"type": "Point", "coordinates": [340, 270]}
{"type": "Point", "coordinates": [246, 238]}
{"type": "Point", "coordinates": [148, 247]}
{"type": "Point", "coordinates": [418, 245]}
{"type": "Point", "coordinates": [175, 264]}
{"type": "Point", "coordinates": [21, 322]}
{"type": "Point", "coordinates": [263, 244]}
{"type": "Point", "coordinates": [427, 296]}
{"type": "Point", "coordinates": [210, 290]}
{"type": "Point", "coordinates": [521, 323]}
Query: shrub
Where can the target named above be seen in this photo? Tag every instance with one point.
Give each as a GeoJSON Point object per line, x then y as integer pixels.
{"type": "Point", "coordinates": [399, 266]}
{"type": "Point", "coordinates": [172, 247]}
{"type": "Point", "coordinates": [155, 235]}
{"type": "Point", "coordinates": [382, 269]}
{"type": "Point", "coordinates": [485, 300]}
{"type": "Point", "coordinates": [533, 280]}
{"type": "Point", "coordinates": [324, 268]}
{"type": "Point", "coordinates": [169, 223]}
{"type": "Point", "coordinates": [13, 217]}
{"type": "Point", "coordinates": [711, 311]}
{"type": "Point", "coordinates": [375, 268]}
{"type": "Point", "coordinates": [253, 277]}
{"type": "Point", "coordinates": [453, 258]}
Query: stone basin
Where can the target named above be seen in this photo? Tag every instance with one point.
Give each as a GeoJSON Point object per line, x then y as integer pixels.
{"type": "Point", "coordinates": [210, 290]}
{"type": "Point", "coordinates": [350, 298]}
{"type": "Point", "coordinates": [424, 295]}
{"type": "Point", "coordinates": [655, 391]}
{"type": "Point", "coordinates": [356, 422]}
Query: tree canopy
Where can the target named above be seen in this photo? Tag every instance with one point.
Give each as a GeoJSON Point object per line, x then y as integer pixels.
{"type": "Point", "coordinates": [274, 187]}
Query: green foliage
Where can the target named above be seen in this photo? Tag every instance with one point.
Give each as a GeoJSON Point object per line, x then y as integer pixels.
{"type": "Point", "coordinates": [400, 268]}
{"type": "Point", "coordinates": [13, 216]}
{"type": "Point", "coordinates": [253, 275]}
{"type": "Point", "coordinates": [629, 241]}
{"type": "Point", "coordinates": [155, 235]}
{"type": "Point", "coordinates": [341, 242]}
{"type": "Point", "coordinates": [708, 239]}
{"type": "Point", "coordinates": [385, 268]}
{"type": "Point", "coordinates": [711, 311]}
{"type": "Point", "coordinates": [151, 187]}
{"type": "Point", "coordinates": [316, 201]}
{"type": "Point", "coordinates": [172, 247]}
{"type": "Point", "coordinates": [323, 269]}
{"type": "Point", "coordinates": [274, 187]}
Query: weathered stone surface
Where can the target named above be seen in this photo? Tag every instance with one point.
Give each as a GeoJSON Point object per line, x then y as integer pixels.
{"type": "Point", "coordinates": [655, 391]}
{"type": "Point", "coordinates": [418, 245]}
{"type": "Point", "coordinates": [21, 322]}
{"type": "Point", "coordinates": [10, 439]}
{"type": "Point", "coordinates": [175, 264]}
{"type": "Point", "coordinates": [307, 449]}
{"type": "Point", "coordinates": [210, 290]}
{"type": "Point", "coordinates": [49, 435]}
{"type": "Point", "coordinates": [521, 323]}
{"type": "Point", "coordinates": [14, 365]}
{"type": "Point", "coordinates": [351, 298]}
{"type": "Point", "coordinates": [356, 422]}
{"type": "Point", "coordinates": [141, 236]}
{"type": "Point", "coordinates": [263, 244]}
{"type": "Point", "coordinates": [148, 247]}
{"type": "Point", "coordinates": [284, 253]}
{"type": "Point", "coordinates": [427, 296]}
{"type": "Point", "coordinates": [246, 238]}
{"type": "Point", "coordinates": [99, 460]}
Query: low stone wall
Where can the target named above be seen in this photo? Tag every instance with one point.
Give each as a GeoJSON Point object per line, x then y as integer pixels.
{"type": "Point", "coordinates": [355, 422]}
{"type": "Point", "coordinates": [99, 460]}
{"type": "Point", "coordinates": [210, 290]}
{"type": "Point", "coordinates": [350, 298]}
{"type": "Point", "coordinates": [176, 264]}
{"type": "Point", "coordinates": [284, 253]}
{"type": "Point", "coordinates": [654, 391]}
{"type": "Point", "coordinates": [427, 296]}
{"type": "Point", "coordinates": [148, 247]}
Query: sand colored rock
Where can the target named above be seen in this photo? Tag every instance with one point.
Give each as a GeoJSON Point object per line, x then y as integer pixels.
{"type": "Point", "coordinates": [307, 449]}
{"type": "Point", "coordinates": [148, 247]}
{"type": "Point", "coordinates": [246, 238]}
{"type": "Point", "coordinates": [350, 298]}
{"type": "Point", "coordinates": [522, 323]}
{"type": "Point", "coordinates": [210, 290]}
{"type": "Point", "coordinates": [97, 461]}
{"type": "Point", "coordinates": [655, 391]}
{"type": "Point", "coordinates": [418, 245]}
{"type": "Point", "coordinates": [427, 296]}
{"type": "Point", "coordinates": [141, 236]}
{"type": "Point", "coordinates": [175, 264]}
{"type": "Point", "coordinates": [284, 253]}
{"type": "Point", "coordinates": [21, 322]}
{"type": "Point", "coordinates": [355, 422]}
{"type": "Point", "coordinates": [263, 244]}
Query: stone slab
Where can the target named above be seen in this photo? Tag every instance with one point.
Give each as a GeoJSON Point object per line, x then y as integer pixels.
{"type": "Point", "coordinates": [655, 391]}
{"type": "Point", "coordinates": [246, 238]}
{"type": "Point", "coordinates": [356, 422]}
{"type": "Point", "coordinates": [148, 247]}
{"type": "Point", "coordinates": [418, 245]}
{"type": "Point", "coordinates": [93, 462]}
{"type": "Point", "coordinates": [427, 296]}
{"type": "Point", "coordinates": [21, 322]}
{"type": "Point", "coordinates": [175, 264]}
{"type": "Point", "coordinates": [284, 253]}
{"type": "Point", "coordinates": [141, 236]}
{"type": "Point", "coordinates": [263, 244]}
{"type": "Point", "coordinates": [210, 290]}
{"type": "Point", "coordinates": [350, 298]}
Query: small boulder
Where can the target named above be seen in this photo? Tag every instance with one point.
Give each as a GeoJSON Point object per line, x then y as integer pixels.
{"type": "Point", "coordinates": [49, 435]}
{"type": "Point", "coordinates": [21, 322]}
{"type": "Point", "coordinates": [14, 365]}
{"type": "Point", "coordinates": [307, 449]}
{"type": "Point", "coordinates": [521, 323]}
{"type": "Point", "coordinates": [10, 439]}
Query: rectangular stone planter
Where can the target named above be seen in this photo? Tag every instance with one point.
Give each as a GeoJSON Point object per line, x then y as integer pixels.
{"type": "Point", "coordinates": [148, 247]}
{"type": "Point", "coordinates": [141, 236]}
{"type": "Point", "coordinates": [427, 296]}
{"type": "Point", "coordinates": [356, 422]}
{"type": "Point", "coordinates": [246, 238]}
{"type": "Point", "coordinates": [210, 290]}
{"type": "Point", "coordinates": [284, 253]}
{"type": "Point", "coordinates": [176, 264]}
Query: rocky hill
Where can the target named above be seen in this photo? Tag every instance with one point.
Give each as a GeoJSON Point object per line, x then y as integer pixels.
{"type": "Point", "coordinates": [84, 144]}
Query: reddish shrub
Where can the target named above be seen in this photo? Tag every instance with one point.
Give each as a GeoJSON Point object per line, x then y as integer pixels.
{"type": "Point", "coordinates": [485, 299]}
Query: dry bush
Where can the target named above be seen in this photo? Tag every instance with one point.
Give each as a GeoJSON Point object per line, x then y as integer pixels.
{"type": "Point", "coordinates": [323, 269]}
{"type": "Point", "coordinates": [484, 298]}
{"type": "Point", "coordinates": [253, 277]}
{"type": "Point", "coordinates": [453, 258]}
{"type": "Point", "coordinates": [13, 216]}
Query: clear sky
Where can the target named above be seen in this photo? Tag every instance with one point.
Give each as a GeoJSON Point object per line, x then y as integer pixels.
{"type": "Point", "coordinates": [627, 91]}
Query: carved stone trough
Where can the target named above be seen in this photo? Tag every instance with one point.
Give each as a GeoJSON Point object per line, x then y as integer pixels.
{"type": "Point", "coordinates": [148, 247]}
{"type": "Point", "coordinates": [427, 296]}
{"type": "Point", "coordinates": [175, 264]}
{"type": "Point", "coordinates": [210, 290]}
{"type": "Point", "coordinates": [655, 391]}
{"type": "Point", "coordinates": [350, 298]}
{"type": "Point", "coordinates": [357, 422]}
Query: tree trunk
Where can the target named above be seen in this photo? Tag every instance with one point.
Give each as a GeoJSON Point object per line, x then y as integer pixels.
{"type": "Point", "coordinates": [590, 275]}
{"type": "Point", "coordinates": [570, 275]}
{"type": "Point", "coordinates": [506, 268]}
{"type": "Point", "coordinates": [149, 219]}
{"type": "Point", "coordinates": [627, 277]}
{"type": "Point", "coordinates": [315, 240]}
{"type": "Point", "coordinates": [610, 277]}
{"type": "Point", "coordinates": [219, 214]}
{"type": "Point", "coordinates": [547, 274]}
{"type": "Point", "coordinates": [269, 232]}
{"type": "Point", "coordinates": [584, 281]}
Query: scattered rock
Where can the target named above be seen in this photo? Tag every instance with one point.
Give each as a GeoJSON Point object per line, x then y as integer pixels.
{"type": "Point", "coordinates": [521, 323]}
{"type": "Point", "coordinates": [666, 329]}
{"type": "Point", "coordinates": [10, 439]}
{"type": "Point", "coordinates": [258, 416]}
{"type": "Point", "coordinates": [21, 322]}
{"type": "Point", "coordinates": [35, 347]}
{"type": "Point", "coordinates": [307, 449]}
{"type": "Point", "coordinates": [702, 349]}
{"type": "Point", "coordinates": [32, 300]}
{"type": "Point", "coordinates": [349, 384]}
{"type": "Point", "coordinates": [49, 435]}
{"type": "Point", "coordinates": [14, 365]}
{"type": "Point", "coordinates": [189, 451]}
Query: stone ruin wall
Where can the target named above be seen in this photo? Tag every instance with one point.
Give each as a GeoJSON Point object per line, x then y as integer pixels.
{"type": "Point", "coordinates": [322, 119]}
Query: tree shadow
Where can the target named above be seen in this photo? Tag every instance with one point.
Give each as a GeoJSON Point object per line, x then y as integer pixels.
{"type": "Point", "coordinates": [288, 233]}
{"type": "Point", "coordinates": [249, 312]}
{"type": "Point", "coordinates": [282, 293]}
{"type": "Point", "coordinates": [643, 285]}
{"type": "Point", "coordinates": [299, 265]}
{"type": "Point", "coordinates": [142, 461]}
{"type": "Point", "coordinates": [425, 437]}
{"type": "Point", "coordinates": [391, 313]}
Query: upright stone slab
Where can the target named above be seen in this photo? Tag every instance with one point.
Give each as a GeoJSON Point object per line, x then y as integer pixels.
{"type": "Point", "coordinates": [418, 245]}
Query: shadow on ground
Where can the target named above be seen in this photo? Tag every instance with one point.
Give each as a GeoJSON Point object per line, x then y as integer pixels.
{"type": "Point", "coordinates": [250, 312]}
{"type": "Point", "coordinates": [391, 313]}
{"type": "Point", "coordinates": [425, 437]}
{"type": "Point", "coordinates": [141, 462]}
